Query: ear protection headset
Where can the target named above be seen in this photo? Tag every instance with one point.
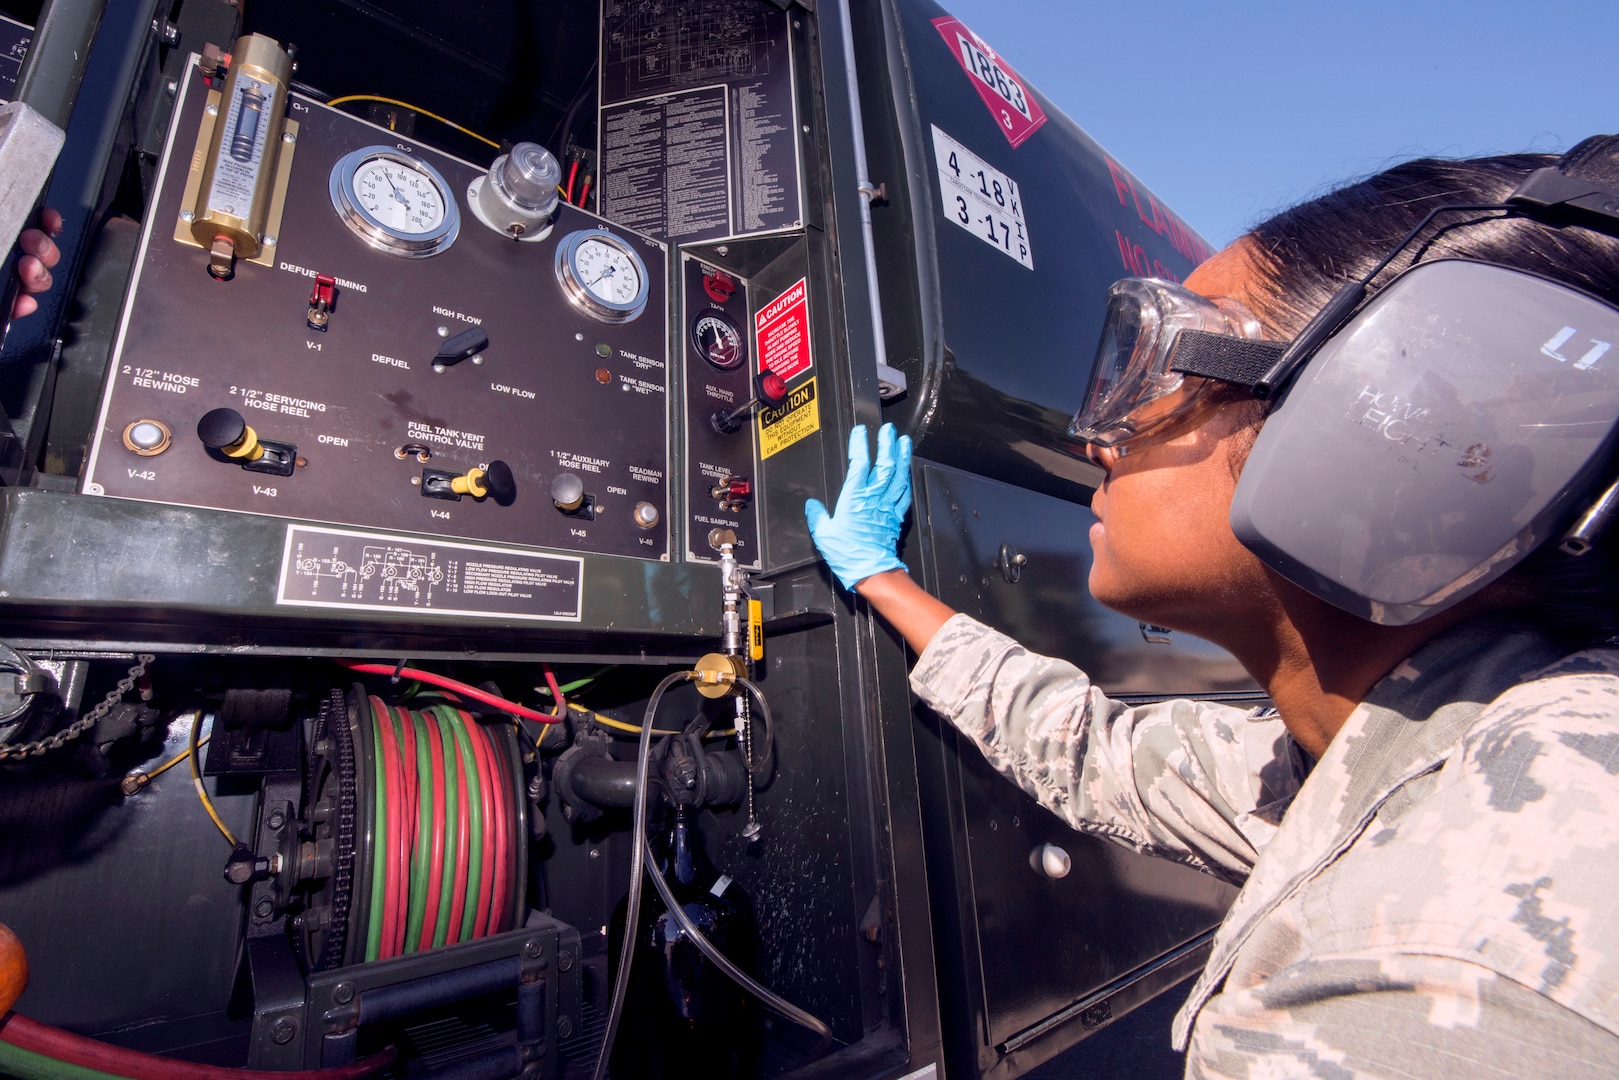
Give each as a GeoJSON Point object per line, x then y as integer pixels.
{"type": "Point", "coordinates": [1426, 440]}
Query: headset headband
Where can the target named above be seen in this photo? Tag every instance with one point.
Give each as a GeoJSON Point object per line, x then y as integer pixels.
{"type": "Point", "coordinates": [1581, 189]}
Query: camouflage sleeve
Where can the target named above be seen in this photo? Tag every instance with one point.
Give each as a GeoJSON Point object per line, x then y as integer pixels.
{"type": "Point", "coordinates": [1200, 783]}
{"type": "Point", "coordinates": [1359, 1017]}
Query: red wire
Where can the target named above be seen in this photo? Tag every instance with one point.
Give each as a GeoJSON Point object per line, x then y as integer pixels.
{"type": "Point", "coordinates": [447, 683]}
{"type": "Point", "coordinates": [584, 190]}
{"type": "Point", "coordinates": [435, 863]}
{"type": "Point", "coordinates": [561, 711]}
{"type": "Point", "coordinates": [573, 171]}
{"type": "Point", "coordinates": [62, 1045]}
{"type": "Point", "coordinates": [482, 750]}
{"type": "Point", "coordinates": [387, 746]}
{"type": "Point", "coordinates": [463, 832]}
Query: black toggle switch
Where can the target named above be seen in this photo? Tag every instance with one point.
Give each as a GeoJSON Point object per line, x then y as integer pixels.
{"type": "Point", "coordinates": [466, 344]}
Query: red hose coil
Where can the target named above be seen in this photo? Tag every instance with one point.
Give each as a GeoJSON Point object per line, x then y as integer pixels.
{"type": "Point", "coordinates": [486, 871]}
{"type": "Point", "coordinates": [435, 857]}
{"type": "Point", "coordinates": [470, 789]}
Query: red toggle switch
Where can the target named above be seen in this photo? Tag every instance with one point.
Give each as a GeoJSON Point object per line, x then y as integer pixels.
{"type": "Point", "coordinates": [322, 298]}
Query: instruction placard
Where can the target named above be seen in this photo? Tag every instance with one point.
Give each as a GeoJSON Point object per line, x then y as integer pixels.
{"type": "Point", "coordinates": [782, 425]}
{"type": "Point", "coordinates": [781, 331]}
{"type": "Point", "coordinates": [981, 199]}
{"type": "Point", "coordinates": [340, 568]}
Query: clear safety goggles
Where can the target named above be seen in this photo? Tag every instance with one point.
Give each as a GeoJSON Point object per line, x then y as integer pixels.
{"type": "Point", "coordinates": [1145, 374]}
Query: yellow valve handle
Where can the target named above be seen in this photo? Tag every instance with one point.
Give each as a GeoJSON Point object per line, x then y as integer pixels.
{"type": "Point", "coordinates": [246, 447]}
{"type": "Point", "coordinates": [470, 484]}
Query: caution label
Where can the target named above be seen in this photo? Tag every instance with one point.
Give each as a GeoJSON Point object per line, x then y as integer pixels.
{"type": "Point", "coordinates": [782, 425]}
{"type": "Point", "coordinates": [782, 332]}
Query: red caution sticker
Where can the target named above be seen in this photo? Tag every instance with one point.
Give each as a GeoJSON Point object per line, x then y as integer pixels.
{"type": "Point", "coordinates": [1008, 98]}
{"type": "Point", "coordinates": [782, 332]}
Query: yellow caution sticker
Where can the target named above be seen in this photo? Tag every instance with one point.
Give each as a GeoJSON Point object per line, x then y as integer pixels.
{"type": "Point", "coordinates": [782, 425]}
{"type": "Point", "coordinates": [756, 631]}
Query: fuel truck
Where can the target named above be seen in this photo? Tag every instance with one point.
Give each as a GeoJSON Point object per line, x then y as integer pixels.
{"type": "Point", "coordinates": [413, 659]}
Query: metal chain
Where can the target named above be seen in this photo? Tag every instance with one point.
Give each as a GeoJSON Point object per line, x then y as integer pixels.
{"type": "Point", "coordinates": [83, 723]}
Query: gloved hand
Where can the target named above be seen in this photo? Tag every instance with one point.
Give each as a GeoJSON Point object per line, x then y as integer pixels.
{"type": "Point", "coordinates": [858, 539]}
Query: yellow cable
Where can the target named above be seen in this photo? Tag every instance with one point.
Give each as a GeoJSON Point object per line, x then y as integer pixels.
{"type": "Point", "coordinates": [196, 781]}
{"type": "Point", "coordinates": [608, 721]}
{"type": "Point", "coordinates": [141, 779]}
{"type": "Point", "coordinates": [415, 109]}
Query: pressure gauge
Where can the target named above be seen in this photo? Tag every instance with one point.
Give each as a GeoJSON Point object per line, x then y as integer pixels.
{"type": "Point", "coordinates": [395, 201]}
{"type": "Point", "coordinates": [602, 275]}
{"type": "Point", "coordinates": [718, 339]}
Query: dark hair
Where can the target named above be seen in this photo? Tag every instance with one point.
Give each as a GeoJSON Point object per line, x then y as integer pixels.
{"type": "Point", "coordinates": [1307, 253]}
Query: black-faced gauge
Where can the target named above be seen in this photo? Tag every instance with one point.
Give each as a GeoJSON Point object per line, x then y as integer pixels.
{"type": "Point", "coordinates": [602, 275]}
{"type": "Point", "coordinates": [395, 201]}
{"type": "Point", "coordinates": [718, 339]}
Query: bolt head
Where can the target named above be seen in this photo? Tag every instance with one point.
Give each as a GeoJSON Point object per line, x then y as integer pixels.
{"type": "Point", "coordinates": [343, 993]}
{"type": "Point", "coordinates": [277, 819]}
{"type": "Point", "coordinates": [269, 239]}
{"type": "Point", "coordinates": [263, 909]}
{"type": "Point", "coordinates": [212, 110]}
{"type": "Point", "coordinates": [283, 1030]}
{"type": "Point", "coordinates": [187, 216]}
{"type": "Point", "coordinates": [533, 950]}
{"type": "Point", "coordinates": [288, 136]}
{"type": "Point", "coordinates": [565, 961]}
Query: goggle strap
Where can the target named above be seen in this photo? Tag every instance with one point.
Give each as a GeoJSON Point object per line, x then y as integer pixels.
{"type": "Point", "coordinates": [1221, 356]}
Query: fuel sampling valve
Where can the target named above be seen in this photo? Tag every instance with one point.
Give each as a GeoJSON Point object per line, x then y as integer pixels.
{"type": "Point", "coordinates": [717, 673]}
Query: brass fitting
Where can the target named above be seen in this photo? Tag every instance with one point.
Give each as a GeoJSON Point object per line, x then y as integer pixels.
{"type": "Point", "coordinates": [717, 674]}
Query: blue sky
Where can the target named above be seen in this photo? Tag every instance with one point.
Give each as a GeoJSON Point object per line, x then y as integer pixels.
{"type": "Point", "coordinates": [1229, 110]}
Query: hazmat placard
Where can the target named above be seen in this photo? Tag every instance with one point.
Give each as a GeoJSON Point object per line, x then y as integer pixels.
{"type": "Point", "coordinates": [782, 425]}
{"type": "Point", "coordinates": [781, 333]}
{"type": "Point", "coordinates": [1016, 112]}
{"type": "Point", "coordinates": [981, 199]}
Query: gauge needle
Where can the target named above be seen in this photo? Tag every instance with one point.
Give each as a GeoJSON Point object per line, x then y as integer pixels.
{"type": "Point", "coordinates": [605, 273]}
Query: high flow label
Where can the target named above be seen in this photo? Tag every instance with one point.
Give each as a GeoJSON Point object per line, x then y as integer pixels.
{"type": "Point", "coordinates": [981, 199]}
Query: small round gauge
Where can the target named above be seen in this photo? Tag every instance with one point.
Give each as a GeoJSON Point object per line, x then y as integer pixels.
{"type": "Point", "coordinates": [718, 339]}
{"type": "Point", "coordinates": [602, 275]}
{"type": "Point", "coordinates": [395, 201]}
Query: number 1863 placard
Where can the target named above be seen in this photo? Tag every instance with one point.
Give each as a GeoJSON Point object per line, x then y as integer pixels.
{"type": "Point", "coordinates": [981, 199]}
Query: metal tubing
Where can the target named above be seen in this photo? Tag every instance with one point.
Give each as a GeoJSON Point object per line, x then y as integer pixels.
{"type": "Point", "coordinates": [890, 380]}
{"type": "Point", "coordinates": [402, 999]}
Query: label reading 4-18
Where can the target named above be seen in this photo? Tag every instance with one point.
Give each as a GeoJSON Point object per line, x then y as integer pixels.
{"type": "Point", "coordinates": [981, 199]}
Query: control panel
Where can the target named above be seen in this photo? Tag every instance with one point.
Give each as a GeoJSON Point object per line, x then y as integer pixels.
{"type": "Point", "coordinates": [334, 324]}
{"type": "Point", "coordinates": [723, 394]}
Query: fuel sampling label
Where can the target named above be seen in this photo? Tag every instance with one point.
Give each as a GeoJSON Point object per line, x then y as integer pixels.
{"type": "Point", "coordinates": [981, 199]}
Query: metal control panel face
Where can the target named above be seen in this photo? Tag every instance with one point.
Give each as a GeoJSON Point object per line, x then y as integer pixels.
{"type": "Point", "coordinates": [722, 464]}
{"type": "Point", "coordinates": [401, 365]}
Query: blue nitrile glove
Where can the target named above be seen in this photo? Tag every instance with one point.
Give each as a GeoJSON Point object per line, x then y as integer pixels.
{"type": "Point", "coordinates": [859, 538]}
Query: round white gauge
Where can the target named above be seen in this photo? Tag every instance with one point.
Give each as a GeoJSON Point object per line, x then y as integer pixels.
{"type": "Point", "coordinates": [602, 275]}
{"type": "Point", "coordinates": [718, 340]}
{"type": "Point", "coordinates": [395, 201]}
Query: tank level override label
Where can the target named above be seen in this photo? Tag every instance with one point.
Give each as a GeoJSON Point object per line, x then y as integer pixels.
{"type": "Point", "coordinates": [338, 568]}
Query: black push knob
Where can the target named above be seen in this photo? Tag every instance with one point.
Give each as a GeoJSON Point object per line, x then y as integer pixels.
{"type": "Point", "coordinates": [221, 428]}
{"type": "Point", "coordinates": [500, 482]}
{"type": "Point", "coordinates": [567, 491]}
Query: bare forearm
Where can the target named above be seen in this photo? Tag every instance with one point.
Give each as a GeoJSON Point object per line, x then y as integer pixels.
{"type": "Point", "coordinates": [905, 606]}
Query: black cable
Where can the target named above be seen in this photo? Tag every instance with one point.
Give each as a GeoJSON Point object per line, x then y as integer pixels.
{"type": "Point", "coordinates": [632, 904]}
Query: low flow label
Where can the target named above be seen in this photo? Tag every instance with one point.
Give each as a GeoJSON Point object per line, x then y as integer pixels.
{"type": "Point", "coordinates": [338, 568]}
{"type": "Point", "coordinates": [981, 199]}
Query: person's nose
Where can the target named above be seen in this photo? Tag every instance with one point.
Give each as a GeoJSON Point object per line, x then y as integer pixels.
{"type": "Point", "coordinates": [1104, 457]}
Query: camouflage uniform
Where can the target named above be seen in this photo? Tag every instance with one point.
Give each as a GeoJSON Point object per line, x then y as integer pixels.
{"type": "Point", "coordinates": [1442, 897]}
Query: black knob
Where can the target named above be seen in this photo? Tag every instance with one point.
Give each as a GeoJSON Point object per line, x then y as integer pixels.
{"type": "Point", "coordinates": [500, 482]}
{"type": "Point", "coordinates": [221, 428]}
{"type": "Point", "coordinates": [567, 491]}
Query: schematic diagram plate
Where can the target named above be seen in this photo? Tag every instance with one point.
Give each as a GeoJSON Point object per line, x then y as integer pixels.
{"type": "Point", "coordinates": [336, 568]}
